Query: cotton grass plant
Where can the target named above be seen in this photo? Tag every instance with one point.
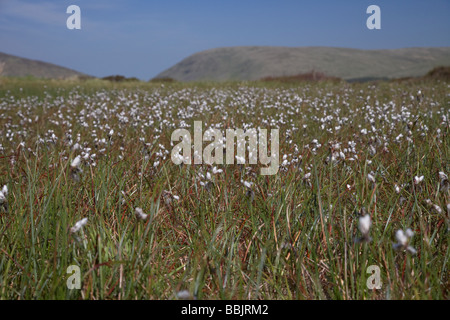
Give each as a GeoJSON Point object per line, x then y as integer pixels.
{"type": "Point", "coordinates": [100, 151]}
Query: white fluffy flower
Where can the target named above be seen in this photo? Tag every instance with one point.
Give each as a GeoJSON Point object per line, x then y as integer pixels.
{"type": "Point", "coordinates": [76, 162]}
{"type": "Point", "coordinates": [418, 180]}
{"type": "Point", "coordinates": [3, 194]}
{"type": "Point", "coordinates": [247, 184]}
{"type": "Point", "coordinates": [403, 239]}
{"type": "Point", "coordinates": [184, 295]}
{"type": "Point", "coordinates": [444, 184]}
{"type": "Point", "coordinates": [215, 170]}
{"type": "Point", "coordinates": [79, 225]}
{"type": "Point", "coordinates": [364, 225]}
{"type": "Point", "coordinates": [437, 209]}
{"type": "Point", "coordinates": [140, 214]}
{"type": "Point", "coordinates": [409, 233]}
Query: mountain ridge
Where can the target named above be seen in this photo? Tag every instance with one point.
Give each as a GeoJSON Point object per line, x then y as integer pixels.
{"type": "Point", "coordinates": [15, 66]}
{"type": "Point", "coordinates": [256, 62]}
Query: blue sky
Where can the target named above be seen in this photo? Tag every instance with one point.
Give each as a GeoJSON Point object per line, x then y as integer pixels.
{"type": "Point", "coordinates": [143, 38]}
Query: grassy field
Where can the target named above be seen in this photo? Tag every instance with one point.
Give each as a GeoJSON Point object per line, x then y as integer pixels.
{"type": "Point", "coordinates": [346, 151]}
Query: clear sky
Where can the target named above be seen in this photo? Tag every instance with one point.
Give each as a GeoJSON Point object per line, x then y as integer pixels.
{"type": "Point", "coordinates": [142, 38]}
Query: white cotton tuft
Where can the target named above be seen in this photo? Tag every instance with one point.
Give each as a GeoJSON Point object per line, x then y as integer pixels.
{"type": "Point", "coordinates": [409, 233]}
{"type": "Point", "coordinates": [418, 180]}
{"type": "Point", "coordinates": [76, 162]}
{"type": "Point", "coordinates": [5, 190]}
{"type": "Point", "coordinates": [364, 224]}
{"type": "Point", "coordinates": [140, 214]}
{"type": "Point", "coordinates": [247, 184]}
{"type": "Point", "coordinates": [79, 225]}
{"type": "Point", "coordinates": [401, 238]}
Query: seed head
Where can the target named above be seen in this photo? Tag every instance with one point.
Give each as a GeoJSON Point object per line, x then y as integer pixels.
{"type": "Point", "coordinates": [403, 240]}
{"type": "Point", "coordinates": [79, 225]}
{"type": "Point", "coordinates": [76, 163]}
{"type": "Point", "coordinates": [418, 179]}
{"type": "Point", "coordinates": [364, 225]}
{"type": "Point", "coordinates": [3, 194]}
{"type": "Point", "coordinates": [140, 214]}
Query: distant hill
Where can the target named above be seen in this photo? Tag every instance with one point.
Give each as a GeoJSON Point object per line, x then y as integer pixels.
{"type": "Point", "coordinates": [21, 67]}
{"type": "Point", "coordinates": [254, 63]}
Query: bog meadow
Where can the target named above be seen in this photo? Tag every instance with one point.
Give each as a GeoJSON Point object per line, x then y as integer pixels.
{"type": "Point", "coordinates": [358, 209]}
